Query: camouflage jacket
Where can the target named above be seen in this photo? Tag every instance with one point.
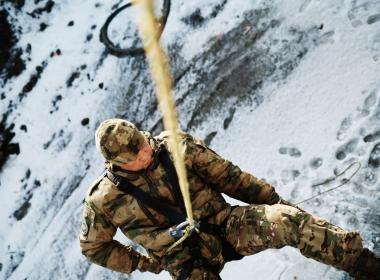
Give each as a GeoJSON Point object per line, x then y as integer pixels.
{"type": "Point", "coordinates": [107, 208]}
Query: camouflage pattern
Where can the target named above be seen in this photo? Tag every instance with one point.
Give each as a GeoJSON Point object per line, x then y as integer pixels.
{"type": "Point", "coordinates": [118, 140]}
{"type": "Point", "coordinates": [203, 274]}
{"type": "Point", "coordinates": [209, 175]}
{"type": "Point", "coordinates": [254, 228]}
{"type": "Point", "coordinates": [250, 229]}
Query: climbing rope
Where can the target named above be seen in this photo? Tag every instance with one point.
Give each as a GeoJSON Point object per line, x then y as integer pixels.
{"type": "Point", "coordinates": [130, 51]}
{"type": "Point", "coordinates": [160, 72]}
{"type": "Point", "coordinates": [333, 178]}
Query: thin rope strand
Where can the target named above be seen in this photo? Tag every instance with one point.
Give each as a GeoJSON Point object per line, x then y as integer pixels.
{"type": "Point", "coordinates": [328, 180]}
{"type": "Point", "coordinates": [160, 73]}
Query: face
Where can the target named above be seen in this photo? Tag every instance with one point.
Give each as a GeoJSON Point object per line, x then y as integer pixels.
{"type": "Point", "coordinates": [143, 159]}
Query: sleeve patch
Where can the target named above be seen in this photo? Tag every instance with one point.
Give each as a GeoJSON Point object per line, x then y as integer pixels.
{"type": "Point", "coordinates": [84, 228]}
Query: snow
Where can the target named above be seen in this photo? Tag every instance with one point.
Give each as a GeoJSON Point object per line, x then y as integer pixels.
{"type": "Point", "coordinates": [326, 104]}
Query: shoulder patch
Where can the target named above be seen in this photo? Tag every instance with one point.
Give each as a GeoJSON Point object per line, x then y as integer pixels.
{"type": "Point", "coordinates": [84, 228]}
{"type": "Point", "coordinates": [87, 220]}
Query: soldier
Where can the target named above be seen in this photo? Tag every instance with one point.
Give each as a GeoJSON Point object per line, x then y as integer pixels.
{"type": "Point", "coordinates": [139, 194]}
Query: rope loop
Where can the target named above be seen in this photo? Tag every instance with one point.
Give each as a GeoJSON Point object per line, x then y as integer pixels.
{"type": "Point", "coordinates": [343, 181]}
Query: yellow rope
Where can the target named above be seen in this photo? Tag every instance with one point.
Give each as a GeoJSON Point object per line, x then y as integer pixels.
{"type": "Point", "coordinates": [159, 68]}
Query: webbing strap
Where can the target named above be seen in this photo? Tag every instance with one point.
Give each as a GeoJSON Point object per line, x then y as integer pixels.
{"type": "Point", "coordinates": [125, 186]}
{"type": "Point", "coordinates": [171, 172]}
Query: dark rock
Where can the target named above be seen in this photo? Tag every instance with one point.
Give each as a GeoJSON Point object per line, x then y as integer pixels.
{"type": "Point", "coordinates": [209, 137]}
{"type": "Point", "coordinates": [39, 11]}
{"type": "Point", "coordinates": [15, 65]}
{"type": "Point", "coordinates": [372, 137]}
{"type": "Point", "coordinates": [24, 128]}
{"type": "Point", "coordinates": [85, 121]}
{"type": "Point", "coordinates": [340, 155]}
{"type": "Point", "coordinates": [18, 4]}
{"type": "Point", "coordinates": [13, 148]}
{"type": "Point", "coordinates": [218, 8]}
{"type": "Point", "coordinates": [11, 64]}
{"type": "Point", "coordinates": [48, 143]}
{"type": "Point", "coordinates": [7, 39]}
{"type": "Point", "coordinates": [228, 120]}
{"type": "Point", "coordinates": [70, 23]}
{"type": "Point", "coordinates": [36, 183]}
{"type": "Point", "coordinates": [227, 71]}
{"type": "Point", "coordinates": [75, 75]}
{"type": "Point", "coordinates": [16, 258]}
{"type": "Point", "coordinates": [55, 102]}
{"type": "Point", "coordinates": [369, 138]}
{"type": "Point", "coordinates": [101, 85]}
{"type": "Point", "coordinates": [374, 158]}
{"type": "Point", "coordinates": [20, 213]}
{"type": "Point", "coordinates": [57, 99]}
{"type": "Point", "coordinates": [374, 18]}
{"type": "Point", "coordinates": [89, 37]}
{"type": "Point", "coordinates": [28, 87]}
{"type": "Point", "coordinates": [28, 48]}
{"type": "Point", "coordinates": [43, 26]}
{"type": "Point", "coordinates": [27, 174]}
{"type": "Point", "coordinates": [195, 19]}
{"type": "Point", "coordinates": [6, 147]}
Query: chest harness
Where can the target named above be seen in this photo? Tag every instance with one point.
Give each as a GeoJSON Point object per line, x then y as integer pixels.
{"type": "Point", "coordinates": [175, 217]}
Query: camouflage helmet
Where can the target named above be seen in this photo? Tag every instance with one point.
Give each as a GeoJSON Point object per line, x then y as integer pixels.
{"type": "Point", "coordinates": [119, 140]}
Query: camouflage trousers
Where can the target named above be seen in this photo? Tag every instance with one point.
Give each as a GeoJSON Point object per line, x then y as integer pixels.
{"type": "Point", "coordinates": [254, 228]}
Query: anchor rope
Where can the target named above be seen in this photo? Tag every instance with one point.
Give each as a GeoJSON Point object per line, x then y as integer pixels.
{"type": "Point", "coordinates": [160, 72]}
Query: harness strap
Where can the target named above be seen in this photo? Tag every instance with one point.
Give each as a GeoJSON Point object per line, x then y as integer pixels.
{"type": "Point", "coordinates": [142, 197]}
{"type": "Point", "coordinates": [164, 158]}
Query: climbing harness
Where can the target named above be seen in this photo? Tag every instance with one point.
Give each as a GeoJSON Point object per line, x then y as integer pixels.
{"type": "Point", "coordinates": [113, 48]}
{"type": "Point", "coordinates": [333, 178]}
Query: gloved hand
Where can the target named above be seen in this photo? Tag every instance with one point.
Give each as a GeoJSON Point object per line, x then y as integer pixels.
{"type": "Point", "coordinates": [179, 230]}
{"type": "Point", "coordinates": [148, 264]}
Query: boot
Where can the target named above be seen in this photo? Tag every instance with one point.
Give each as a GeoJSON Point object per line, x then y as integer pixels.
{"type": "Point", "coordinates": [366, 267]}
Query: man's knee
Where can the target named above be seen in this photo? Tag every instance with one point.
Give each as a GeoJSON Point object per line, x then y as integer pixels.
{"type": "Point", "coordinates": [287, 222]}
{"type": "Point", "coordinates": [257, 227]}
{"type": "Point", "coordinates": [283, 214]}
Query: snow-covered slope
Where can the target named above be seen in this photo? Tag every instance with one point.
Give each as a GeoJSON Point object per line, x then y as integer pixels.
{"type": "Point", "coordinates": [288, 90]}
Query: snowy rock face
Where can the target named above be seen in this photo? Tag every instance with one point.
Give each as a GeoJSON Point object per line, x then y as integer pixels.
{"type": "Point", "coordinates": [288, 90]}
